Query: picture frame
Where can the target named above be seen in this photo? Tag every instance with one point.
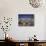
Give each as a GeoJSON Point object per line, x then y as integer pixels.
{"type": "Point", "coordinates": [25, 19]}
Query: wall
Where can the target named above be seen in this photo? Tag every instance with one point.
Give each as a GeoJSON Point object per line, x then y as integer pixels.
{"type": "Point", "coordinates": [11, 8]}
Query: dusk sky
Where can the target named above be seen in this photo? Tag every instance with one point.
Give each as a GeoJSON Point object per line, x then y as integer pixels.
{"type": "Point", "coordinates": [26, 16]}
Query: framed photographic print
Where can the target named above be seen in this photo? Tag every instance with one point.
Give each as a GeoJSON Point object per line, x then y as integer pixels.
{"type": "Point", "coordinates": [25, 19]}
